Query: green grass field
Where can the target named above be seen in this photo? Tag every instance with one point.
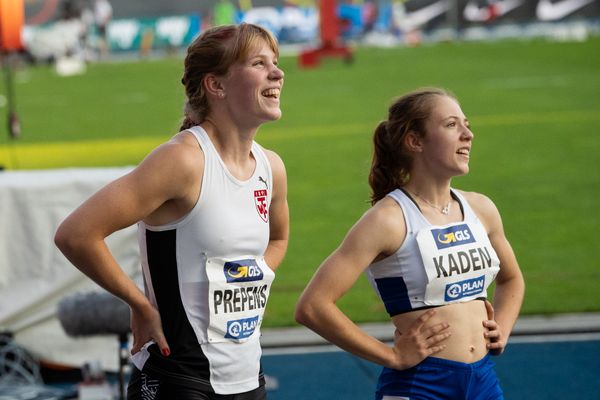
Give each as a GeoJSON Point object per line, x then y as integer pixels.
{"type": "Point", "coordinates": [534, 107]}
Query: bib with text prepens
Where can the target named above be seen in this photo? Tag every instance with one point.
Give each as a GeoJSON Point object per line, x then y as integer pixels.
{"type": "Point", "coordinates": [459, 261]}
{"type": "Point", "coordinates": [238, 291]}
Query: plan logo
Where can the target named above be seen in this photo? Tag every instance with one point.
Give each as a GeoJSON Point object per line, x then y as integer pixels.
{"type": "Point", "coordinates": [242, 271]}
{"type": "Point", "coordinates": [552, 11]}
{"type": "Point", "coordinates": [466, 288]}
{"type": "Point", "coordinates": [241, 328]}
{"type": "Point", "coordinates": [452, 236]}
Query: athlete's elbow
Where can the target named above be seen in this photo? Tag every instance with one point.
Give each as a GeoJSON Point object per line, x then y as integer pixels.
{"type": "Point", "coordinates": [305, 313]}
{"type": "Point", "coordinates": [302, 316]}
{"type": "Point", "coordinates": [62, 239]}
{"type": "Point", "coordinates": [66, 240]}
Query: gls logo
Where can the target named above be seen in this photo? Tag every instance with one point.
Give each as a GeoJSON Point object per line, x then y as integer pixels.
{"type": "Point", "coordinates": [242, 271]}
{"type": "Point", "coordinates": [453, 236]}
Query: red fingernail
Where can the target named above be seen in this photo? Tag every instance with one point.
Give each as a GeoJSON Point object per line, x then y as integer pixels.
{"type": "Point", "coordinates": [166, 352]}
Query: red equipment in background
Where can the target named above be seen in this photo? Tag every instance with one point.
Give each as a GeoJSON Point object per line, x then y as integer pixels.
{"type": "Point", "coordinates": [330, 37]}
{"type": "Point", "coordinates": [12, 17]}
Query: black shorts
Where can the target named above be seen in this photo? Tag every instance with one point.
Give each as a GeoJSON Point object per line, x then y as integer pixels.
{"type": "Point", "coordinates": [144, 387]}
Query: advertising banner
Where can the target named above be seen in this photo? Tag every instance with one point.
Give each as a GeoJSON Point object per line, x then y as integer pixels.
{"type": "Point", "coordinates": [153, 33]}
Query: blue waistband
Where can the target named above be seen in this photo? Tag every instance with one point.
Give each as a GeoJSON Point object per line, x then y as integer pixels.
{"type": "Point", "coordinates": [455, 365]}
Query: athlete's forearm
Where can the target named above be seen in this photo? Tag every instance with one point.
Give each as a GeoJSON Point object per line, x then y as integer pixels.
{"type": "Point", "coordinates": [94, 259]}
{"type": "Point", "coordinates": [275, 252]}
{"type": "Point", "coordinates": [508, 298]}
{"type": "Point", "coordinates": [331, 323]}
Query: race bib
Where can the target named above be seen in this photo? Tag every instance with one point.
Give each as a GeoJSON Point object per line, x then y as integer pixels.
{"type": "Point", "coordinates": [237, 297]}
{"type": "Point", "coordinates": [459, 261]}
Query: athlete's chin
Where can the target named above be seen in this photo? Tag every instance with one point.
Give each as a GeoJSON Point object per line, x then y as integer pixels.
{"type": "Point", "coordinates": [274, 115]}
{"type": "Point", "coordinates": [463, 170]}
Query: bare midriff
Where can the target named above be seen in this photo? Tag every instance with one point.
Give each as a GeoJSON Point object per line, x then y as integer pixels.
{"type": "Point", "coordinates": [466, 343]}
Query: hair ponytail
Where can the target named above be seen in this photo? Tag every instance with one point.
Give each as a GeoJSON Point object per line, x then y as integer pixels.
{"type": "Point", "coordinates": [386, 171]}
{"type": "Point", "coordinates": [192, 115]}
{"type": "Point", "coordinates": [391, 164]}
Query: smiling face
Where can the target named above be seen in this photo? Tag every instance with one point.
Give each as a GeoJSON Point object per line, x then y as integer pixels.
{"type": "Point", "coordinates": [252, 87]}
{"type": "Point", "coordinates": [223, 69]}
{"type": "Point", "coordinates": [447, 141]}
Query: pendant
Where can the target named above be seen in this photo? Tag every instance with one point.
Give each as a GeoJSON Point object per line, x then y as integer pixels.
{"type": "Point", "coordinates": [446, 209]}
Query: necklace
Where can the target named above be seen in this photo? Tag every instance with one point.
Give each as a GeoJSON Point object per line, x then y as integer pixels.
{"type": "Point", "coordinates": [444, 210]}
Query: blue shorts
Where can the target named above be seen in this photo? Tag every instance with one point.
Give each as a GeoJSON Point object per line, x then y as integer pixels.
{"type": "Point", "coordinates": [439, 379]}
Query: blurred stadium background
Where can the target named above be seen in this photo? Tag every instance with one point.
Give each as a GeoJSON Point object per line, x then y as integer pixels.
{"type": "Point", "coordinates": [527, 74]}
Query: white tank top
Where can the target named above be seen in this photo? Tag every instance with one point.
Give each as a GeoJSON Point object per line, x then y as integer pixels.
{"type": "Point", "coordinates": [435, 265]}
{"type": "Point", "coordinates": [222, 280]}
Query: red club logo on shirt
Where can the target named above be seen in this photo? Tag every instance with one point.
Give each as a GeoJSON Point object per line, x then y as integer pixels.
{"type": "Point", "coordinates": [260, 200]}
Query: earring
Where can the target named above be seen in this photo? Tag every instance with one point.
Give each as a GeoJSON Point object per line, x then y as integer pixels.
{"type": "Point", "coordinates": [221, 95]}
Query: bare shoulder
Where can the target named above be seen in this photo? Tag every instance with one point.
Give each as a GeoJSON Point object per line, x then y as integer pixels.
{"type": "Point", "coordinates": [389, 217]}
{"type": "Point", "coordinates": [184, 147]}
{"type": "Point", "coordinates": [275, 160]}
{"type": "Point", "coordinates": [279, 173]}
{"type": "Point", "coordinates": [173, 165]}
{"type": "Point", "coordinates": [477, 200]}
{"type": "Point", "coordinates": [387, 212]}
{"type": "Point", "coordinates": [180, 155]}
{"type": "Point", "coordinates": [385, 224]}
{"type": "Point", "coordinates": [484, 208]}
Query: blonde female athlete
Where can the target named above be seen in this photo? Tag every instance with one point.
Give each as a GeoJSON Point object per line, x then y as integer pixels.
{"type": "Point", "coordinates": [212, 214]}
